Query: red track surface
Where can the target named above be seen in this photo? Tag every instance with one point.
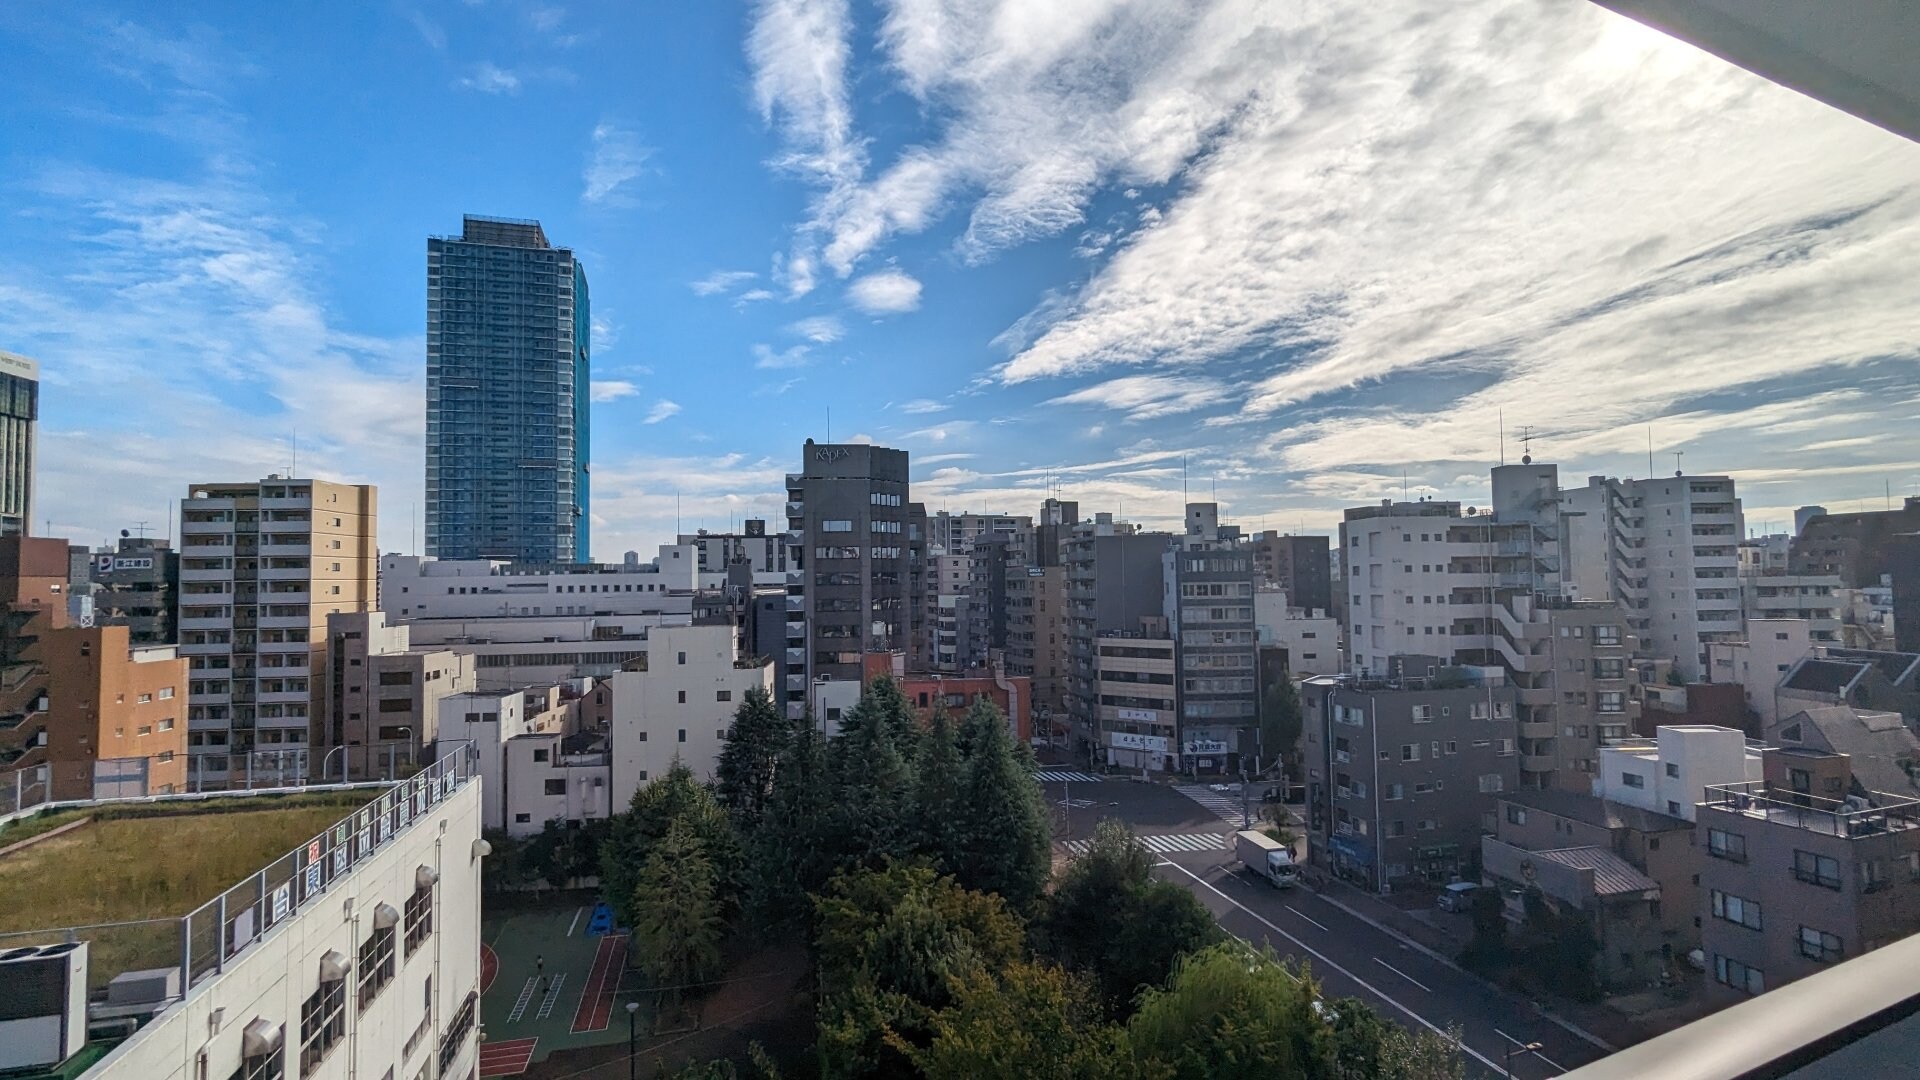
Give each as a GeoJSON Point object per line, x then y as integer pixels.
{"type": "Point", "coordinates": [489, 967]}
{"type": "Point", "coordinates": [506, 1058]}
{"type": "Point", "coordinates": [596, 1005]}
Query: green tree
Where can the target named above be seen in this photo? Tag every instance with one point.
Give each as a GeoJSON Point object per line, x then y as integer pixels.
{"type": "Point", "coordinates": [743, 776]}
{"type": "Point", "coordinates": [656, 807]}
{"type": "Point", "coordinates": [938, 792]}
{"type": "Point", "coordinates": [885, 695]}
{"type": "Point", "coordinates": [1557, 948]}
{"type": "Point", "coordinates": [1004, 844]}
{"type": "Point", "coordinates": [1367, 1047]}
{"type": "Point", "coordinates": [1111, 918]}
{"type": "Point", "coordinates": [567, 851]}
{"type": "Point", "coordinates": [1229, 1013]}
{"type": "Point", "coordinates": [889, 947]}
{"type": "Point", "coordinates": [677, 924]}
{"type": "Point", "coordinates": [1487, 953]}
{"type": "Point", "coordinates": [1281, 720]}
{"type": "Point", "coordinates": [872, 785]}
{"type": "Point", "coordinates": [1028, 1020]}
{"type": "Point", "coordinates": [791, 851]}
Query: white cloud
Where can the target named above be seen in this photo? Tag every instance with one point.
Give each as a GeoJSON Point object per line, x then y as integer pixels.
{"type": "Point", "coordinates": [1146, 397]}
{"type": "Point", "coordinates": [430, 32]}
{"type": "Point", "coordinates": [546, 19]}
{"type": "Point", "coordinates": [751, 296]}
{"type": "Point", "coordinates": [661, 410]}
{"type": "Point", "coordinates": [923, 405]}
{"type": "Point", "coordinates": [767, 358]}
{"type": "Point", "coordinates": [721, 281]}
{"type": "Point", "coordinates": [605, 334]}
{"type": "Point", "coordinates": [885, 292]}
{"type": "Point", "coordinates": [617, 156]}
{"type": "Point", "coordinates": [819, 329]}
{"type": "Point", "coordinates": [613, 390]}
{"type": "Point", "coordinates": [490, 79]}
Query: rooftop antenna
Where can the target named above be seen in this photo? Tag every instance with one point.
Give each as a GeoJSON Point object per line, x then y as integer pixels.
{"type": "Point", "coordinates": [293, 470]}
{"type": "Point", "coordinates": [1889, 484]}
{"type": "Point", "coordinates": [1183, 483]}
{"type": "Point", "coordinates": [829, 423]}
{"type": "Point", "coordinates": [1502, 413]}
{"type": "Point", "coordinates": [1649, 451]}
{"type": "Point", "coordinates": [141, 528]}
{"type": "Point", "coordinates": [676, 517]}
{"type": "Point", "coordinates": [1526, 445]}
{"type": "Point", "coordinates": [1677, 455]}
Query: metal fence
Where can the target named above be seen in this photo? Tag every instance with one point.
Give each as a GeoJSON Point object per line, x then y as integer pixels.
{"type": "Point", "coordinates": [208, 939]}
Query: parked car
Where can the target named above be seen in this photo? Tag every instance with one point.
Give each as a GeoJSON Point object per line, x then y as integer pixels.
{"type": "Point", "coordinates": [1458, 896]}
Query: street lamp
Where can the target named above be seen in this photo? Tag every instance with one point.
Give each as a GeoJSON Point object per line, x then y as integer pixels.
{"type": "Point", "coordinates": [1527, 1048]}
{"type": "Point", "coordinates": [633, 1010]}
{"type": "Point", "coordinates": [406, 735]}
{"type": "Point", "coordinates": [343, 764]}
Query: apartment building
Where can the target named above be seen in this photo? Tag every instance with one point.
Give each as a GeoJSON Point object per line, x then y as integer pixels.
{"type": "Point", "coordinates": [136, 585]}
{"type": "Point", "coordinates": [1859, 548]}
{"type": "Point", "coordinates": [675, 702]}
{"type": "Point", "coordinates": [1402, 772]}
{"type": "Point", "coordinates": [1207, 577]}
{"type": "Point", "coordinates": [382, 697]}
{"type": "Point", "coordinates": [957, 533]}
{"type": "Point", "coordinates": [1310, 637]}
{"type": "Point", "coordinates": [992, 561]}
{"type": "Point", "coordinates": [1813, 598]}
{"type": "Point", "coordinates": [1862, 678]}
{"type": "Point", "coordinates": [262, 566]}
{"type": "Point", "coordinates": [509, 329]}
{"type": "Point", "coordinates": [415, 589]}
{"type": "Point", "coordinates": [1803, 868]}
{"type": "Point", "coordinates": [946, 604]}
{"type": "Point", "coordinates": [1667, 551]}
{"type": "Point", "coordinates": [764, 553]}
{"type": "Point", "coordinates": [1036, 639]}
{"type": "Point", "coordinates": [1136, 675]}
{"type": "Point", "coordinates": [1301, 566]}
{"type": "Point", "coordinates": [19, 439]}
{"type": "Point", "coordinates": [853, 591]}
{"type": "Point", "coordinates": [1113, 580]}
{"type": "Point", "coordinates": [1760, 661]}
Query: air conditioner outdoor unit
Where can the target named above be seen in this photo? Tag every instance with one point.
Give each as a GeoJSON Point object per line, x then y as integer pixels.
{"type": "Point", "coordinates": [43, 1004]}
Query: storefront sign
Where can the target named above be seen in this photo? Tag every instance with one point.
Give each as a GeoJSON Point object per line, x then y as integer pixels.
{"type": "Point", "coordinates": [1126, 740]}
{"type": "Point", "coordinates": [1206, 746]}
{"type": "Point", "coordinates": [1140, 716]}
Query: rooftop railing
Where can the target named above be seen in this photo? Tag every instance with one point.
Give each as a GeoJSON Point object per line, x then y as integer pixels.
{"type": "Point", "coordinates": [1851, 818]}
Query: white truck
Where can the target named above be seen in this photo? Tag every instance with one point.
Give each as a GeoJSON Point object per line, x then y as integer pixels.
{"type": "Point", "coordinates": [1266, 857]}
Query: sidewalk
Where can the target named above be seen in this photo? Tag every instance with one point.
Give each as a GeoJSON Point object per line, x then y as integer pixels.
{"type": "Point", "coordinates": [1602, 1027]}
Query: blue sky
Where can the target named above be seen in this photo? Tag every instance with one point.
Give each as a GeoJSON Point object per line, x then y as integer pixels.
{"type": "Point", "coordinates": [1316, 252]}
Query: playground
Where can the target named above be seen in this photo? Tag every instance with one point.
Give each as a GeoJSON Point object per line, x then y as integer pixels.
{"type": "Point", "coordinates": [548, 983]}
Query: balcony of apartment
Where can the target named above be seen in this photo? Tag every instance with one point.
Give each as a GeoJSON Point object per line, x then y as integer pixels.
{"type": "Point", "coordinates": [300, 502]}
{"type": "Point", "coordinates": [285, 573]}
{"type": "Point", "coordinates": [1537, 763]}
{"type": "Point", "coordinates": [192, 550]}
{"type": "Point", "coordinates": [287, 622]}
{"type": "Point", "coordinates": [797, 656]}
{"type": "Point", "coordinates": [797, 682]}
{"type": "Point", "coordinates": [1537, 729]}
{"type": "Point", "coordinates": [303, 524]}
{"type": "Point", "coordinates": [1851, 818]}
{"type": "Point", "coordinates": [221, 621]}
{"type": "Point", "coordinates": [287, 549]}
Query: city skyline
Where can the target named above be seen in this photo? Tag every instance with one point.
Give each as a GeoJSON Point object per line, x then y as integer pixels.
{"type": "Point", "coordinates": [1035, 276]}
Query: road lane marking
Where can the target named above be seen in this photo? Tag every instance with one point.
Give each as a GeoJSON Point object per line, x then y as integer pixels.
{"type": "Point", "coordinates": [1324, 959]}
{"type": "Point", "coordinates": [1057, 776]}
{"type": "Point", "coordinates": [576, 920]}
{"type": "Point", "coordinates": [1403, 974]}
{"type": "Point", "coordinates": [1311, 919]}
{"type": "Point", "coordinates": [1535, 1053]}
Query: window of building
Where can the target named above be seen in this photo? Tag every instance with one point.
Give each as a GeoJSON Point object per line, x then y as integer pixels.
{"type": "Point", "coordinates": [1394, 792]}
{"type": "Point", "coordinates": [1738, 975]}
{"type": "Point", "coordinates": [1816, 869]}
{"type": "Point", "coordinates": [683, 697]}
{"type": "Point", "coordinates": [1427, 825]}
{"type": "Point", "coordinates": [723, 695]}
{"type": "Point", "coordinates": [264, 1065]}
{"type": "Point", "coordinates": [683, 734]}
{"type": "Point", "coordinates": [1722, 844]}
{"type": "Point", "coordinates": [1516, 815]}
{"type": "Point", "coordinates": [1673, 770]}
{"type": "Point", "coordinates": [1491, 783]}
{"type": "Point", "coordinates": [1735, 909]}
{"type": "Point", "coordinates": [1819, 945]}
{"type": "Point", "coordinates": [396, 678]}
{"type": "Point", "coordinates": [523, 819]}
{"type": "Point", "coordinates": [1632, 780]}
{"type": "Point", "coordinates": [557, 786]}
{"type": "Point", "coordinates": [1396, 828]}
{"type": "Point", "coordinates": [683, 658]}
{"type": "Point", "coordinates": [836, 525]}
{"type": "Point", "coordinates": [323, 1022]}
{"type": "Point", "coordinates": [419, 917]}
{"type": "Point", "coordinates": [1410, 751]}
{"type": "Point", "coordinates": [375, 963]}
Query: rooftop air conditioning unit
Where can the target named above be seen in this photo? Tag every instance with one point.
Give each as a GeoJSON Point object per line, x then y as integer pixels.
{"type": "Point", "coordinates": [43, 1005]}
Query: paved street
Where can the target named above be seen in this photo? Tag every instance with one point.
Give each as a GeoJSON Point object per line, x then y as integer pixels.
{"type": "Point", "coordinates": [1348, 956]}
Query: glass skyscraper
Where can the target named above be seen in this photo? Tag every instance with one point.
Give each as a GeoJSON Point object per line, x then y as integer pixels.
{"type": "Point", "coordinates": [19, 419]}
{"type": "Point", "coordinates": [508, 331]}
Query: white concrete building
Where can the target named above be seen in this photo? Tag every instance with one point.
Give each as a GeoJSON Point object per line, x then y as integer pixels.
{"type": "Point", "coordinates": [1758, 663]}
{"type": "Point", "coordinates": [1811, 597]}
{"type": "Point", "coordinates": [1311, 637]}
{"type": "Point", "coordinates": [677, 701]}
{"type": "Point", "coordinates": [413, 588]}
{"type": "Point", "coordinates": [510, 653]}
{"type": "Point", "coordinates": [379, 940]}
{"type": "Point", "coordinates": [1670, 773]}
{"type": "Point", "coordinates": [1665, 549]}
{"type": "Point", "coordinates": [557, 776]}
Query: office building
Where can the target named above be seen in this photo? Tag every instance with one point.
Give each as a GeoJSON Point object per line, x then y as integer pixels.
{"type": "Point", "coordinates": [1667, 551]}
{"type": "Point", "coordinates": [854, 577]}
{"type": "Point", "coordinates": [1037, 640]}
{"type": "Point", "coordinates": [537, 757]}
{"type": "Point", "coordinates": [136, 585]}
{"type": "Point", "coordinates": [994, 559]}
{"type": "Point", "coordinates": [262, 566]}
{"type": "Point", "coordinates": [1813, 598]}
{"type": "Point", "coordinates": [1207, 577]}
{"type": "Point", "coordinates": [675, 702]}
{"type": "Point", "coordinates": [957, 533]}
{"type": "Point", "coordinates": [1309, 638]}
{"type": "Point", "coordinates": [1299, 565]}
{"type": "Point", "coordinates": [1903, 591]}
{"type": "Point", "coordinates": [382, 697]}
{"type": "Point", "coordinates": [355, 955]}
{"type": "Point", "coordinates": [946, 607]}
{"type": "Point", "coordinates": [718, 551]}
{"type": "Point", "coordinates": [1136, 677]}
{"type": "Point", "coordinates": [19, 434]}
{"type": "Point", "coordinates": [1402, 771]}
{"type": "Point", "coordinates": [509, 327]}
{"type": "Point", "coordinates": [1113, 581]}
{"type": "Point", "coordinates": [84, 713]}
{"type": "Point", "coordinates": [1804, 869]}
{"type": "Point", "coordinates": [1859, 547]}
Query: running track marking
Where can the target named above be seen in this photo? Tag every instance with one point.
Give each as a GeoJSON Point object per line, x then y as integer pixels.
{"type": "Point", "coordinates": [596, 1005]}
{"type": "Point", "coordinates": [576, 920]}
{"type": "Point", "coordinates": [520, 1003]}
{"type": "Point", "coordinates": [489, 967]}
{"type": "Point", "coordinates": [506, 1058]}
{"type": "Point", "coordinates": [553, 995]}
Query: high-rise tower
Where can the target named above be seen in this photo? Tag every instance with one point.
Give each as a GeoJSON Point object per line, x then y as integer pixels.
{"type": "Point", "coordinates": [508, 334]}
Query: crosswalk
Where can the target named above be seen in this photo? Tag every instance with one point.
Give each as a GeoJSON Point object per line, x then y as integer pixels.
{"type": "Point", "coordinates": [1055, 776]}
{"type": "Point", "coordinates": [1163, 845]}
{"type": "Point", "coordinates": [1224, 803]}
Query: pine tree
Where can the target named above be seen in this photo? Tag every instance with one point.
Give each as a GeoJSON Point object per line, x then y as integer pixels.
{"type": "Point", "coordinates": [677, 921]}
{"type": "Point", "coordinates": [792, 854]}
{"type": "Point", "coordinates": [872, 786]}
{"type": "Point", "coordinates": [938, 790]}
{"type": "Point", "coordinates": [631, 836]}
{"type": "Point", "coordinates": [1004, 842]}
{"type": "Point", "coordinates": [743, 777]}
